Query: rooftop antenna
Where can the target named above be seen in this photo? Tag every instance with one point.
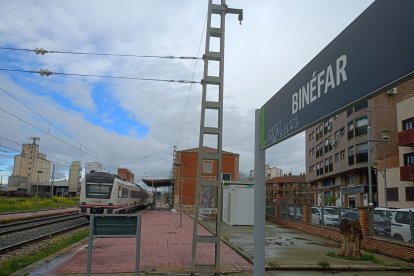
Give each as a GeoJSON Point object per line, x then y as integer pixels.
{"type": "Point", "coordinates": [34, 140]}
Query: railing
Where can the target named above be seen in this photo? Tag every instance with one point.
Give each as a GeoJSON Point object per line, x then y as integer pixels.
{"type": "Point", "coordinates": [396, 224]}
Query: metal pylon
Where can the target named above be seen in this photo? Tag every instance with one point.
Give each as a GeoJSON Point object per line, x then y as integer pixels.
{"type": "Point", "coordinates": [207, 204]}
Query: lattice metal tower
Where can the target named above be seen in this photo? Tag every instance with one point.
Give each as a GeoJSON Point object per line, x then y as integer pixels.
{"type": "Point", "coordinates": [207, 205]}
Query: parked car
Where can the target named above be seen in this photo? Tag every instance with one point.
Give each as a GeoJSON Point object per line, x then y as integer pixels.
{"type": "Point", "coordinates": [400, 225]}
{"type": "Point", "coordinates": [382, 227]}
{"type": "Point", "coordinates": [330, 216]}
{"type": "Point", "coordinates": [291, 213]}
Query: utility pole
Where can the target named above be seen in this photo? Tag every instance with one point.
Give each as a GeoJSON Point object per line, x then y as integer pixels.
{"type": "Point", "coordinates": [210, 190]}
{"type": "Point", "coordinates": [52, 181]}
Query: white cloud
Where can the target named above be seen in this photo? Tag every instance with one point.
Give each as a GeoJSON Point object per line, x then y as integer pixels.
{"type": "Point", "coordinates": [276, 39]}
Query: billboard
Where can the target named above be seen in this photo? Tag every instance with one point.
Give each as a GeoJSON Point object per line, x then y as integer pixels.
{"type": "Point", "coordinates": [375, 52]}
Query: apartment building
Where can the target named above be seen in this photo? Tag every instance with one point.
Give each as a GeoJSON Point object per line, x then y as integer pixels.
{"type": "Point", "coordinates": [74, 178]}
{"type": "Point", "coordinates": [30, 168]}
{"type": "Point", "coordinates": [289, 189]}
{"type": "Point", "coordinates": [186, 172]}
{"type": "Point", "coordinates": [270, 172]}
{"type": "Point", "coordinates": [337, 149]}
{"type": "Point", "coordinates": [396, 174]}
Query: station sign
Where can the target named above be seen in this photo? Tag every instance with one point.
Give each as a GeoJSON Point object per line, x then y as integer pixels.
{"type": "Point", "coordinates": [374, 53]}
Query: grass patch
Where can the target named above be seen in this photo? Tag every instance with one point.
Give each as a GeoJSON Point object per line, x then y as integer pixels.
{"type": "Point", "coordinates": [324, 264]}
{"type": "Point", "coordinates": [367, 257]}
{"type": "Point", "coordinates": [16, 204]}
{"type": "Point", "coordinates": [12, 265]}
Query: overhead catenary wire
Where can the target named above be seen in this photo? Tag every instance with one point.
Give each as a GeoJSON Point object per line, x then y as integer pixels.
{"type": "Point", "coordinates": [45, 72]}
{"type": "Point", "coordinates": [191, 85]}
{"type": "Point", "coordinates": [18, 151]}
{"type": "Point", "coordinates": [49, 122]}
{"type": "Point", "coordinates": [55, 137]}
{"type": "Point", "coordinates": [41, 51]}
{"type": "Point", "coordinates": [81, 146]}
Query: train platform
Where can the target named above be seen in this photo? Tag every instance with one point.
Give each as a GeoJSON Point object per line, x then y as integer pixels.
{"type": "Point", "coordinates": [166, 250]}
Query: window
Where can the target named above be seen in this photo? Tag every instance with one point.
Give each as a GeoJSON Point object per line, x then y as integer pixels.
{"type": "Point", "coordinates": [331, 163]}
{"type": "Point", "coordinates": [311, 168]}
{"type": "Point", "coordinates": [350, 130]}
{"type": "Point", "coordinates": [408, 124]}
{"type": "Point", "coordinates": [349, 111]}
{"type": "Point", "coordinates": [311, 152]}
{"type": "Point", "coordinates": [328, 144]}
{"type": "Point", "coordinates": [319, 150]}
{"type": "Point", "coordinates": [342, 132]}
{"type": "Point", "coordinates": [125, 193]}
{"type": "Point", "coordinates": [343, 155]}
{"type": "Point", "coordinates": [337, 157]}
{"type": "Point", "coordinates": [311, 135]}
{"type": "Point", "coordinates": [351, 159]}
{"type": "Point", "coordinates": [409, 193]}
{"type": "Point", "coordinates": [317, 168]}
{"type": "Point", "coordinates": [392, 194]}
{"type": "Point", "coordinates": [326, 165]}
{"type": "Point", "coordinates": [99, 190]}
{"type": "Point", "coordinates": [319, 130]}
{"type": "Point", "coordinates": [207, 166]}
{"type": "Point", "coordinates": [361, 105]}
{"type": "Point", "coordinates": [409, 159]}
{"type": "Point", "coordinates": [362, 153]}
{"type": "Point", "coordinates": [361, 126]}
{"type": "Point", "coordinates": [349, 180]}
{"type": "Point", "coordinates": [227, 176]}
{"type": "Point", "coordinates": [327, 126]}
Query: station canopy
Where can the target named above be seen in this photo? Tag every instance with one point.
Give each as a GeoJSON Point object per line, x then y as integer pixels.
{"type": "Point", "coordinates": [156, 183]}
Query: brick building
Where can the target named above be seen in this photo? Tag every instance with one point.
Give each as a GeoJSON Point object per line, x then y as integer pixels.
{"type": "Point", "coordinates": [396, 174]}
{"type": "Point", "coordinates": [337, 149]}
{"type": "Point", "coordinates": [186, 173]}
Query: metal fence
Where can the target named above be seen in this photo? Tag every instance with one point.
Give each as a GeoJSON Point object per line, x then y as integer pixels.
{"type": "Point", "coordinates": [397, 224]}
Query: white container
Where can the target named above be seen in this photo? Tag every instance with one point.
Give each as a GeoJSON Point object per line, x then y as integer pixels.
{"type": "Point", "coordinates": [238, 204]}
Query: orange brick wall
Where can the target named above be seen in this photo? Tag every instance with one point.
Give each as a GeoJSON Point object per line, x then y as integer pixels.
{"type": "Point", "coordinates": [230, 164]}
{"type": "Point", "coordinates": [376, 244]}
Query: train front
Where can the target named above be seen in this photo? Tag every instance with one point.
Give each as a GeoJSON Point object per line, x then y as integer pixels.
{"type": "Point", "coordinates": [96, 196]}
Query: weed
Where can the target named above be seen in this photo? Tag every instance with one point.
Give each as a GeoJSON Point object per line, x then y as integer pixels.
{"type": "Point", "coordinates": [8, 204]}
{"type": "Point", "coordinates": [9, 266]}
{"type": "Point", "coordinates": [324, 264]}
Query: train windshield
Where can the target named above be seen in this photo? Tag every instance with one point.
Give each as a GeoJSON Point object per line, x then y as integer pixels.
{"type": "Point", "coordinates": [98, 190]}
{"type": "Point", "coordinates": [99, 185]}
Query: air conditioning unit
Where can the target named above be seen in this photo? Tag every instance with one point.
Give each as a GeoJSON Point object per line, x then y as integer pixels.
{"type": "Point", "coordinates": [392, 91]}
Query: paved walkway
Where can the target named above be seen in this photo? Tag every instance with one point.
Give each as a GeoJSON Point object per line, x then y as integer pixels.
{"type": "Point", "coordinates": [166, 250]}
{"type": "Point", "coordinates": [165, 247]}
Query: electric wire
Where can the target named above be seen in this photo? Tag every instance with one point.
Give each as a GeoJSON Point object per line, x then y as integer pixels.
{"type": "Point", "coordinates": [18, 151]}
{"type": "Point", "coordinates": [49, 122]}
{"type": "Point", "coordinates": [45, 72]}
{"type": "Point", "coordinates": [191, 85]}
{"type": "Point", "coordinates": [152, 154]}
{"type": "Point", "coordinates": [42, 51]}
{"type": "Point", "coordinates": [55, 137]}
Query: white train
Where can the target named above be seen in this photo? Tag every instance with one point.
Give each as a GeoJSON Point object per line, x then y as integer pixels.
{"type": "Point", "coordinates": [105, 193]}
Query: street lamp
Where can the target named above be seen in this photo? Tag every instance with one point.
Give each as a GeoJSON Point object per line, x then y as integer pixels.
{"type": "Point", "coordinates": [385, 137]}
{"type": "Point", "coordinates": [181, 192]}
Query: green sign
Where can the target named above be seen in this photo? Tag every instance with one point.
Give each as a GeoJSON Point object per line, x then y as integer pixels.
{"type": "Point", "coordinates": [115, 225]}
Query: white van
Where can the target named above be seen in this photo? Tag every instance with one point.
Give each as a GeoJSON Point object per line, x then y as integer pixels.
{"type": "Point", "coordinates": [400, 224]}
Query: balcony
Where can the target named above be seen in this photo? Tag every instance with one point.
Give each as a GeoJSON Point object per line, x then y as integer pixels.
{"type": "Point", "coordinates": [407, 173]}
{"type": "Point", "coordinates": [406, 138]}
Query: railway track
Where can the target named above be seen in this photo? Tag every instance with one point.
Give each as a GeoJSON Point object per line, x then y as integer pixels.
{"type": "Point", "coordinates": [19, 234]}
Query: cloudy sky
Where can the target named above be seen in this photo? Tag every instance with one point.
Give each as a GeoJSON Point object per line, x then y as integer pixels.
{"type": "Point", "coordinates": [135, 124]}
